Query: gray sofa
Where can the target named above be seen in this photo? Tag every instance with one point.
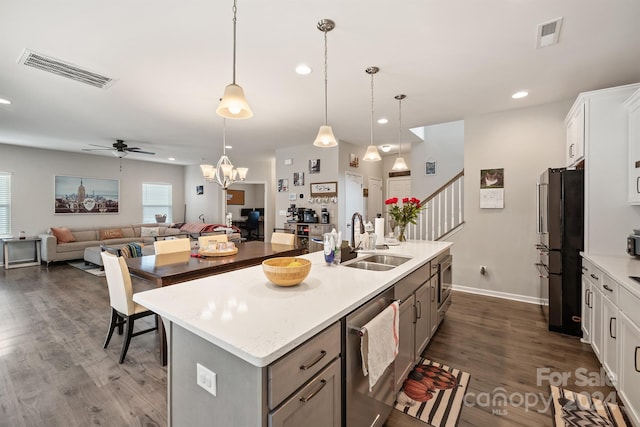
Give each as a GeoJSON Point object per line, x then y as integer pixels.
{"type": "Point", "coordinates": [52, 250]}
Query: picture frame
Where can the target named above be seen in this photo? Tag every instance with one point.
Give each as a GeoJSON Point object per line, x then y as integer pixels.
{"type": "Point", "coordinates": [430, 168]}
{"type": "Point", "coordinates": [298, 179]}
{"type": "Point", "coordinates": [283, 185]}
{"type": "Point", "coordinates": [320, 189]}
{"type": "Point", "coordinates": [235, 197]}
{"type": "Point", "coordinates": [314, 166]}
{"type": "Point", "coordinates": [354, 162]}
{"type": "Point", "coordinates": [78, 195]}
{"type": "Point", "coordinates": [199, 190]}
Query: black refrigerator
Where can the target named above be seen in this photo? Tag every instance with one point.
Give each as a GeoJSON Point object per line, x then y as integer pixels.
{"type": "Point", "coordinates": [560, 204]}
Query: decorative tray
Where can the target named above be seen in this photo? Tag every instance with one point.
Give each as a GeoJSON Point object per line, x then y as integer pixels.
{"type": "Point", "coordinates": [218, 253]}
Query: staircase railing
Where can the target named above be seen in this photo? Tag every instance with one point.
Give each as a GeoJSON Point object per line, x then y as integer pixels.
{"type": "Point", "coordinates": [443, 211]}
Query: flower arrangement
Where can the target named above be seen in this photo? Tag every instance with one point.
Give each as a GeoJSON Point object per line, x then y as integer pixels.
{"type": "Point", "coordinates": [404, 215]}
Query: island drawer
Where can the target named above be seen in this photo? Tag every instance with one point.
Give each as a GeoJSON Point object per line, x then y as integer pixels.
{"type": "Point", "coordinates": [629, 304]}
{"type": "Point", "coordinates": [296, 368]}
{"type": "Point", "coordinates": [408, 285]}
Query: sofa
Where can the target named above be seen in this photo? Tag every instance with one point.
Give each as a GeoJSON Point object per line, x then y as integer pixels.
{"type": "Point", "coordinates": [64, 244]}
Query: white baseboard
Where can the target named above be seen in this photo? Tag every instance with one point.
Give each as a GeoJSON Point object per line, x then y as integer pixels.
{"type": "Point", "coordinates": [503, 295]}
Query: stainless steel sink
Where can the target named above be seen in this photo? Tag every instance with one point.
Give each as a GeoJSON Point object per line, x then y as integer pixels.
{"type": "Point", "coordinates": [378, 262]}
{"type": "Point", "coordinates": [387, 259]}
{"type": "Point", "coordinates": [373, 266]}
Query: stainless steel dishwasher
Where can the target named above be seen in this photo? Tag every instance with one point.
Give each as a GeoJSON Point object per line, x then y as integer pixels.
{"type": "Point", "coordinates": [365, 408]}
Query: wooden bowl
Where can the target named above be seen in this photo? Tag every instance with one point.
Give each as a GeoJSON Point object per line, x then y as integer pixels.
{"type": "Point", "coordinates": [280, 273]}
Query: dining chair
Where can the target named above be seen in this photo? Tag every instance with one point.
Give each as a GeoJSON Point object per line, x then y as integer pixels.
{"type": "Point", "coordinates": [253, 224]}
{"type": "Point", "coordinates": [204, 241]}
{"type": "Point", "coordinates": [124, 311]}
{"type": "Point", "coordinates": [172, 245]}
{"type": "Point", "coordinates": [283, 238]}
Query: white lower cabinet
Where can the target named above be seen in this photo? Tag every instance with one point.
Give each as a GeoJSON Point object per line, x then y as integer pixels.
{"type": "Point", "coordinates": [596, 321]}
{"type": "Point", "coordinates": [587, 309]}
{"type": "Point", "coordinates": [609, 348]}
{"type": "Point", "coordinates": [629, 386]}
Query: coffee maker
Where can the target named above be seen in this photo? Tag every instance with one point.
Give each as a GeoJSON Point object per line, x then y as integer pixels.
{"type": "Point", "coordinates": [292, 213]}
{"type": "Point", "coordinates": [300, 214]}
{"type": "Point", "coordinates": [324, 216]}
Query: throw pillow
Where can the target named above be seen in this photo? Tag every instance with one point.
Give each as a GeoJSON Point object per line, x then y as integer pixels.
{"type": "Point", "coordinates": [110, 233]}
{"type": "Point", "coordinates": [63, 234]}
{"type": "Point", "coordinates": [149, 231]}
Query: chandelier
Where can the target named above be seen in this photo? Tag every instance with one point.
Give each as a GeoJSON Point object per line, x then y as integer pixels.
{"type": "Point", "coordinates": [224, 173]}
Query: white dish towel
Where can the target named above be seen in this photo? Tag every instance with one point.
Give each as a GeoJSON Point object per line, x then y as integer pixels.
{"type": "Point", "coordinates": [379, 343]}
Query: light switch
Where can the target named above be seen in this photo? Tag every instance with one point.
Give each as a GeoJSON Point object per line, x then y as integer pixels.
{"type": "Point", "coordinates": [206, 379]}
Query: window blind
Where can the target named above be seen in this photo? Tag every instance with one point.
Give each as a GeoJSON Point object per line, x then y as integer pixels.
{"type": "Point", "coordinates": [5, 204]}
{"type": "Point", "coordinates": [156, 200]}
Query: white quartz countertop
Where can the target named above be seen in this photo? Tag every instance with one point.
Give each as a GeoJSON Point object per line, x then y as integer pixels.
{"type": "Point", "coordinates": [619, 268]}
{"type": "Point", "coordinates": [248, 316]}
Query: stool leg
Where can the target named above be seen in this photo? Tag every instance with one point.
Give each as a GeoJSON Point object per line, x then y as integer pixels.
{"type": "Point", "coordinates": [112, 325]}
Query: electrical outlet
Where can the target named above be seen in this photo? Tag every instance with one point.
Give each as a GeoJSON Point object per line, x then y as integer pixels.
{"type": "Point", "coordinates": [206, 379]}
{"type": "Point", "coordinates": [283, 213]}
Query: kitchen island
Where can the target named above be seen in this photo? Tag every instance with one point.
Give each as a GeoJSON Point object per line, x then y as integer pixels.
{"type": "Point", "coordinates": [246, 331]}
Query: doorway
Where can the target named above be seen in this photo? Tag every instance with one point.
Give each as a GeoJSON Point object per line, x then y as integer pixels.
{"type": "Point", "coordinates": [398, 187]}
{"type": "Point", "coordinates": [374, 200]}
{"type": "Point", "coordinates": [354, 201]}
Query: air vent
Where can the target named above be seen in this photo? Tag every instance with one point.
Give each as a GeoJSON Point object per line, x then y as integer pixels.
{"type": "Point", "coordinates": [548, 33]}
{"type": "Point", "coordinates": [64, 69]}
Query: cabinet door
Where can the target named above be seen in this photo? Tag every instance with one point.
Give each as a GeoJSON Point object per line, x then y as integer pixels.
{"type": "Point", "coordinates": [423, 317]}
{"type": "Point", "coordinates": [630, 367]}
{"type": "Point", "coordinates": [575, 136]}
{"type": "Point", "coordinates": [434, 321]}
{"type": "Point", "coordinates": [406, 357]}
{"type": "Point", "coordinates": [610, 338]}
{"type": "Point", "coordinates": [318, 404]}
{"type": "Point", "coordinates": [587, 310]}
{"type": "Point", "coordinates": [596, 321]}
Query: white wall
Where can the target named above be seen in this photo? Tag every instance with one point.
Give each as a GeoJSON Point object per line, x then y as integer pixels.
{"type": "Point", "coordinates": [444, 144]}
{"type": "Point", "coordinates": [524, 142]}
{"type": "Point", "coordinates": [33, 186]}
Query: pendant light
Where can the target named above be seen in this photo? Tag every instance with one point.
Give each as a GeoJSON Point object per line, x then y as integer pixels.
{"type": "Point", "coordinates": [224, 173]}
{"type": "Point", "coordinates": [372, 154]}
{"type": "Point", "coordinates": [234, 104]}
{"type": "Point", "coordinates": [325, 136]}
{"type": "Point", "coordinates": [400, 164]}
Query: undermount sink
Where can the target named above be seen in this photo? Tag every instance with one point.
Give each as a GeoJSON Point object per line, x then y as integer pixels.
{"type": "Point", "coordinates": [387, 259]}
{"type": "Point", "coordinates": [378, 262]}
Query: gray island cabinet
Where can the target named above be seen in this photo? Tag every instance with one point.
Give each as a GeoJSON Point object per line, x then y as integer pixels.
{"type": "Point", "coordinates": [265, 355]}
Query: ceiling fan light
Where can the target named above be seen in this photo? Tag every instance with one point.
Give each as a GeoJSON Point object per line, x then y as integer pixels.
{"type": "Point", "coordinates": [372, 154]}
{"type": "Point", "coordinates": [233, 104]}
{"type": "Point", "coordinates": [325, 137]}
{"type": "Point", "coordinates": [400, 165]}
{"type": "Point", "coordinates": [119, 154]}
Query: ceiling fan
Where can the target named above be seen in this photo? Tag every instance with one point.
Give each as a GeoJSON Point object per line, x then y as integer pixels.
{"type": "Point", "coordinates": [119, 149]}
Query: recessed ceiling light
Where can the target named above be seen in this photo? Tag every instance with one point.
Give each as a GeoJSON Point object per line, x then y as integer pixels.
{"type": "Point", "coordinates": [383, 120]}
{"type": "Point", "coordinates": [4, 101]}
{"type": "Point", "coordinates": [172, 158]}
{"type": "Point", "coordinates": [520, 94]}
{"type": "Point", "coordinates": [386, 148]}
{"type": "Point", "coordinates": [303, 69]}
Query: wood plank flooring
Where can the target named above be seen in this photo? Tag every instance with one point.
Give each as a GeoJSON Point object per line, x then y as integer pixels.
{"type": "Point", "coordinates": [54, 372]}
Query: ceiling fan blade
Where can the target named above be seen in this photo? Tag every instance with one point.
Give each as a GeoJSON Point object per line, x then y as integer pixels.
{"type": "Point", "coordinates": [137, 150]}
{"type": "Point", "coordinates": [97, 149]}
{"type": "Point", "coordinates": [101, 146]}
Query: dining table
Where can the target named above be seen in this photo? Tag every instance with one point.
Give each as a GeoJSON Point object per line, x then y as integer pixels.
{"type": "Point", "coordinates": [172, 268]}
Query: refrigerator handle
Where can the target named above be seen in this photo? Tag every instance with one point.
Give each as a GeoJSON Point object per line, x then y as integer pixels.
{"type": "Point", "coordinates": [538, 208]}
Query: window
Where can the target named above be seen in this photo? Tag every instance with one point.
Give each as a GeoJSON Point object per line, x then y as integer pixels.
{"type": "Point", "coordinates": [5, 204]}
{"type": "Point", "coordinates": [156, 200]}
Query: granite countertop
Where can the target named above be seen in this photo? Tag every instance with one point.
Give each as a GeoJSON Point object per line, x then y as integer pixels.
{"type": "Point", "coordinates": [248, 316]}
{"type": "Point", "coordinates": [619, 268]}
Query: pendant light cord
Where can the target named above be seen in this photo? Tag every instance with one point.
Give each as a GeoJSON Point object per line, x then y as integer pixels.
{"type": "Point", "coordinates": [400, 126]}
{"type": "Point", "coordinates": [325, 78]}
{"type": "Point", "coordinates": [372, 108]}
{"type": "Point", "coordinates": [224, 136]}
{"type": "Point", "coordinates": [235, 10]}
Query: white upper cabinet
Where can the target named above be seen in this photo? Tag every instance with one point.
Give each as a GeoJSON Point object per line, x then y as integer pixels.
{"type": "Point", "coordinates": [575, 124]}
{"type": "Point", "coordinates": [633, 106]}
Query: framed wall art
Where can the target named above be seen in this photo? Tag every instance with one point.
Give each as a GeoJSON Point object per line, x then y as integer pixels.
{"type": "Point", "coordinates": [319, 189]}
{"type": "Point", "coordinates": [298, 178]}
{"type": "Point", "coordinates": [430, 168]}
{"type": "Point", "coordinates": [81, 195]}
{"type": "Point", "coordinates": [314, 166]}
{"type": "Point", "coordinates": [235, 197]}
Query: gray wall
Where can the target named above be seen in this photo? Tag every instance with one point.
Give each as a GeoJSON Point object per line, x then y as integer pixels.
{"type": "Point", "coordinates": [524, 142]}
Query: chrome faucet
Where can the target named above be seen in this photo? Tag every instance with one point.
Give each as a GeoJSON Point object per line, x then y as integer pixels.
{"type": "Point", "coordinates": [353, 232]}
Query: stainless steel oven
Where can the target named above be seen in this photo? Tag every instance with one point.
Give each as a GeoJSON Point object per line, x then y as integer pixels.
{"type": "Point", "coordinates": [444, 279]}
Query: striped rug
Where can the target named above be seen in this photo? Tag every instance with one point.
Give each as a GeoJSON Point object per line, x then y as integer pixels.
{"type": "Point", "coordinates": [91, 269]}
{"type": "Point", "coordinates": [433, 393]}
{"type": "Point", "coordinates": [579, 409]}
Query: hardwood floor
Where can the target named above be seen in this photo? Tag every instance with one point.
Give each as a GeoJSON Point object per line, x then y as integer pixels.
{"type": "Point", "coordinates": [54, 372]}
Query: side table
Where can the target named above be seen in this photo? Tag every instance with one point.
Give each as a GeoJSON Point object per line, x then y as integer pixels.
{"type": "Point", "coordinates": [12, 242]}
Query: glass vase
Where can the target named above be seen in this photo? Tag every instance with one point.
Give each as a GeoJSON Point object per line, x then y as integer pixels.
{"type": "Point", "coordinates": [398, 232]}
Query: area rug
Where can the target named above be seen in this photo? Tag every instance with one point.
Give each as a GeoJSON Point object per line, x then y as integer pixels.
{"type": "Point", "coordinates": [433, 393]}
{"type": "Point", "coordinates": [91, 269]}
{"type": "Point", "coordinates": [571, 409]}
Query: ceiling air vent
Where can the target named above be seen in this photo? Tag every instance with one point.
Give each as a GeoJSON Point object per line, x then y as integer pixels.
{"type": "Point", "coordinates": [64, 69]}
{"type": "Point", "coordinates": [548, 33]}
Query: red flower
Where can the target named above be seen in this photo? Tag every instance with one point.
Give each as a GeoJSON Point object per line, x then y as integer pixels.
{"type": "Point", "coordinates": [391, 201]}
{"type": "Point", "coordinates": [405, 200]}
